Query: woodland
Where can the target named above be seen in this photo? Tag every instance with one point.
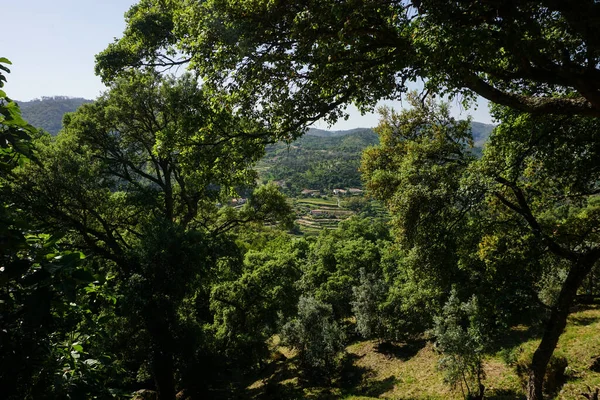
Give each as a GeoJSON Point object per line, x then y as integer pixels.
{"type": "Point", "coordinates": [128, 272]}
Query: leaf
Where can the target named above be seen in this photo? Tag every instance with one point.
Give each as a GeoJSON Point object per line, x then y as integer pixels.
{"type": "Point", "coordinates": [5, 60]}
{"type": "Point", "coordinates": [51, 242]}
{"type": "Point", "coordinates": [70, 259]}
{"type": "Point", "coordinates": [77, 347]}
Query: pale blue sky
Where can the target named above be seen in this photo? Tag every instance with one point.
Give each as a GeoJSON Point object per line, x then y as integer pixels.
{"type": "Point", "coordinates": [52, 46]}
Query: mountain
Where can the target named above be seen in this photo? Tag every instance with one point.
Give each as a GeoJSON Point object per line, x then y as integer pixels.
{"type": "Point", "coordinates": [320, 160]}
{"type": "Point", "coordinates": [325, 133]}
{"type": "Point", "coordinates": [323, 160]}
{"type": "Point", "coordinates": [47, 112]}
{"type": "Point", "coordinates": [481, 132]}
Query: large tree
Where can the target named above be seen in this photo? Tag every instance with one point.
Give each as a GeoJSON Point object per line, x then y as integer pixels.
{"type": "Point", "coordinates": [137, 178]}
{"type": "Point", "coordinates": [499, 225]}
{"type": "Point", "coordinates": [296, 62]}
{"type": "Point", "coordinates": [544, 173]}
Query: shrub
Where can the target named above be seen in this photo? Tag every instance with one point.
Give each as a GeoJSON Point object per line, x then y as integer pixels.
{"type": "Point", "coordinates": [460, 338]}
{"type": "Point", "coordinates": [366, 305]}
{"type": "Point", "coordinates": [316, 336]}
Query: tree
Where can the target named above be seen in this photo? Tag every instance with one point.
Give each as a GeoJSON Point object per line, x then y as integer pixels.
{"type": "Point", "coordinates": [301, 61]}
{"type": "Point", "coordinates": [368, 297]}
{"type": "Point", "coordinates": [544, 172]}
{"type": "Point", "coordinates": [136, 178]}
{"type": "Point", "coordinates": [335, 259]}
{"type": "Point", "coordinates": [527, 208]}
{"type": "Point", "coordinates": [463, 343]}
{"type": "Point", "coordinates": [296, 63]}
{"type": "Point", "coordinates": [44, 283]}
{"type": "Point", "coordinates": [317, 337]}
{"type": "Point", "coordinates": [249, 306]}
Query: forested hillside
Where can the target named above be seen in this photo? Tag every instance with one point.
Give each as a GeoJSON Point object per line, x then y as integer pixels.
{"type": "Point", "coordinates": [184, 237]}
{"type": "Point", "coordinates": [47, 112]}
{"type": "Point", "coordinates": [323, 160]}
{"type": "Point", "coordinates": [320, 160]}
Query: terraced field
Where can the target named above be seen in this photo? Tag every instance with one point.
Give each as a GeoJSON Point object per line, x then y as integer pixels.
{"type": "Point", "coordinates": [315, 214]}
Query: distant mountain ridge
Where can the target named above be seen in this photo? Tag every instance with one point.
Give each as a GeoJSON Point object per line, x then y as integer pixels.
{"type": "Point", "coordinates": [47, 112]}
{"type": "Point", "coordinates": [326, 133]}
{"type": "Point", "coordinates": [481, 132]}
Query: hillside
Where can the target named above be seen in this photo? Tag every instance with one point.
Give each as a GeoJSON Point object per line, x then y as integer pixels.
{"type": "Point", "coordinates": [47, 112]}
{"type": "Point", "coordinates": [481, 132]}
{"type": "Point", "coordinates": [375, 369]}
{"type": "Point", "coordinates": [324, 160]}
{"type": "Point", "coordinates": [320, 160]}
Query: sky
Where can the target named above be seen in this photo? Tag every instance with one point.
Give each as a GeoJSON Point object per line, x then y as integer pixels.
{"type": "Point", "coordinates": [52, 45]}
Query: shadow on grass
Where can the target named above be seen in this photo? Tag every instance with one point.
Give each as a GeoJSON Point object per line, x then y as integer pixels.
{"type": "Point", "coordinates": [502, 394]}
{"type": "Point", "coordinates": [374, 388]}
{"type": "Point", "coordinates": [278, 381]}
{"type": "Point", "coordinates": [352, 375]}
{"type": "Point", "coordinates": [273, 390]}
{"type": "Point", "coordinates": [517, 336]}
{"type": "Point", "coordinates": [403, 351]}
{"type": "Point", "coordinates": [281, 381]}
{"type": "Point", "coordinates": [357, 381]}
{"type": "Point", "coordinates": [582, 321]}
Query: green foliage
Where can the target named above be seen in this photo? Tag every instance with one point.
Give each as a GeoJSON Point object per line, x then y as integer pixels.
{"type": "Point", "coordinates": [461, 337]}
{"type": "Point", "coordinates": [335, 259]}
{"type": "Point", "coordinates": [316, 336]}
{"type": "Point", "coordinates": [507, 225]}
{"type": "Point", "coordinates": [416, 172]}
{"type": "Point", "coordinates": [15, 132]}
{"type": "Point", "coordinates": [300, 62]}
{"type": "Point", "coordinates": [45, 299]}
{"type": "Point", "coordinates": [136, 178]}
{"type": "Point", "coordinates": [369, 295]}
{"type": "Point", "coordinates": [248, 306]}
{"type": "Point", "coordinates": [316, 161]}
{"type": "Point", "coordinates": [424, 142]}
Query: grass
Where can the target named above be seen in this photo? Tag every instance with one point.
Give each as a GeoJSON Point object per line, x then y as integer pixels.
{"type": "Point", "coordinates": [318, 202]}
{"type": "Point", "coordinates": [372, 370]}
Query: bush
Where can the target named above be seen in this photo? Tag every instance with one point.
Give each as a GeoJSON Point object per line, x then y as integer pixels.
{"type": "Point", "coordinates": [460, 338]}
{"type": "Point", "coordinates": [366, 305]}
{"type": "Point", "coordinates": [316, 336]}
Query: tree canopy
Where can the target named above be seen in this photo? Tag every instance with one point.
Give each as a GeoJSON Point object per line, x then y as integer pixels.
{"type": "Point", "coordinates": [136, 180]}
{"type": "Point", "coordinates": [186, 291]}
{"type": "Point", "coordinates": [523, 212]}
{"type": "Point", "coordinates": [297, 62]}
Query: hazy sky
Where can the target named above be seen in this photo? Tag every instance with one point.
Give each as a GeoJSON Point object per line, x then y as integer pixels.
{"type": "Point", "coordinates": [52, 46]}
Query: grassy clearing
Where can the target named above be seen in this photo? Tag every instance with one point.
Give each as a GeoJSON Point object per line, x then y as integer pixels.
{"type": "Point", "coordinates": [373, 370]}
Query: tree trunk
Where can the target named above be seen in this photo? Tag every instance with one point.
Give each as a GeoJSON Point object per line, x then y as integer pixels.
{"type": "Point", "coordinates": [555, 326]}
{"type": "Point", "coordinates": [162, 369]}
